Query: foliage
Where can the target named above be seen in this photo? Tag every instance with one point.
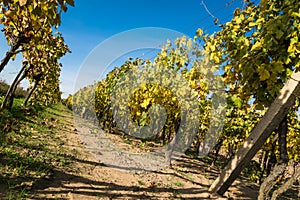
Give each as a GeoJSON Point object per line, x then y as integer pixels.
{"type": "Point", "coordinates": [185, 58]}
{"type": "Point", "coordinates": [258, 50]}
{"type": "Point", "coordinates": [238, 124]}
{"type": "Point", "coordinates": [149, 94]}
{"type": "Point", "coordinates": [104, 90]}
{"type": "Point", "coordinates": [83, 102]}
{"type": "Point", "coordinates": [252, 171]}
{"type": "Point", "coordinates": [45, 59]}
{"type": "Point", "coordinates": [28, 28]}
{"type": "Point", "coordinates": [25, 20]}
{"type": "Point", "coordinates": [293, 137]}
{"type": "Point", "coordinates": [68, 101]}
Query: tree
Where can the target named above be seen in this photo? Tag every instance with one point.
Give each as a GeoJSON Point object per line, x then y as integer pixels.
{"type": "Point", "coordinates": [42, 69]}
{"type": "Point", "coordinates": [183, 57]}
{"type": "Point", "coordinates": [258, 51]}
{"type": "Point", "coordinates": [23, 20]}
{"type": "Point", "coordinates": [28, 28]}
{"type": "Point", "coordinates": [44, 75]}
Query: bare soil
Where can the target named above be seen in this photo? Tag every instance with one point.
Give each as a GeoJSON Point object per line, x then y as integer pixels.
{"type": "Point", "coordinates": [93, 178]}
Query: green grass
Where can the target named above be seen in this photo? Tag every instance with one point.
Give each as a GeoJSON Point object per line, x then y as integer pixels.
{"type": "Point", "coordinates": [141, 182]}
{"type": "Point", "coordinates": [29, 148]}
{"type": "Point", "coordinates": [178, 184]}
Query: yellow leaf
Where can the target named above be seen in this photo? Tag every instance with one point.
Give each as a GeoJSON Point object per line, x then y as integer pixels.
{"type": "Point", "coordinates": [35, 4]}
{"type": "Point", "coordinates": [238, 20]}
{"type": "Point", "coordinates": [216, 58]}
{"type": "Point", "coordinates": [145, 103]}
{"type": "Point", "coordinates": [257, 45]}
{"type": "Point", "coordinates": [22, 2]}
{"type": "Point", "coordinates": [237, 12]}
{"type": "Point", "coordinates": [251, 24]}
{"type": "Point", "coordinates": [290, 49]}
{"type": "Point", "coordinates": [194, 84]}
{"type": "Point", "coordinates": [227, 68]}
{"type": "Point", "coordinates": [199, 32]}
{"type": "Point", "coordinates": [138, 113]}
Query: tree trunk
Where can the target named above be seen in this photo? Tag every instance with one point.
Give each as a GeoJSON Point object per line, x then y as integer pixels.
{"type": "Point", "coordinates": [8, 99]}
{"type": "Point", "coordinates": [31, 92]}
{"type": "Point", "coordinates": [37, 79]}
{"type": "Point", "coordinates": [10, 53]}
{"type": "Point", "coordinates": [288, 184]}
{"type": "Point", "coordinates": [271, 160]}
{"type": "Point", "coordinates": [217, 151]}
{"type": "Point", "coordinates": [263, 166]}
{"type": "Point", "coordinates": [172, 143]}
{"type": "Point", "coordinates": [282, 132]}
{"type": "Point", "coordinates": [270, 182]}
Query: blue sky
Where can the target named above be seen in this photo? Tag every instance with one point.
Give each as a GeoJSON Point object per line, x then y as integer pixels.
{"type": "Point", "coordinates": [91, 22]}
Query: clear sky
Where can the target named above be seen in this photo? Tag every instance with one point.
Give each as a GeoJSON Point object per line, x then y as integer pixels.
{"type": "Point", "coordinates": [91, 22]}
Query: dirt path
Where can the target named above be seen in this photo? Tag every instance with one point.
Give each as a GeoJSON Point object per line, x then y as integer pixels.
{"type": "Point", "coordinates": [91, 179]}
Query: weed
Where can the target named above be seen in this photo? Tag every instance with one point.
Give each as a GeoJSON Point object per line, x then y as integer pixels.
{"type": "Point", "coordinates": [140, 182]}
{"type": "Point", "coordinates": [178, 184]}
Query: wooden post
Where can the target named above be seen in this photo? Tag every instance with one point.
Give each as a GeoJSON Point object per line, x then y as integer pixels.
{"type": "Point", "coordinates": [259, 134]}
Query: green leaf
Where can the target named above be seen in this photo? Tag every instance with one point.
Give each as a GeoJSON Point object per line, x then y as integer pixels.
{"type": "Point", "coordinates": [264, 74]}
{"type": "Point", "coordinates": [237, 101]}
{"type": "Point", "coordinates": [279, 34]}
{"type": "Point", "coordinates": [278, 66]}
